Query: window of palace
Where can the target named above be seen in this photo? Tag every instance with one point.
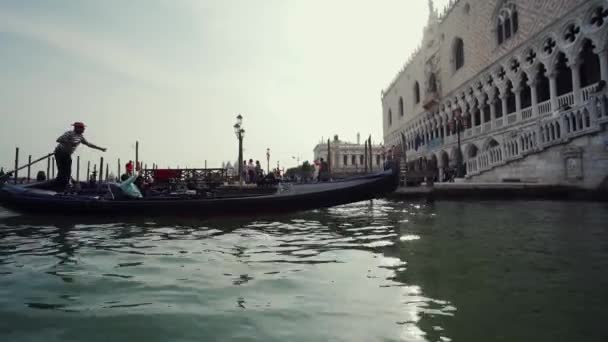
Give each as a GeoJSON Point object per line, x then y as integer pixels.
{"type": "Point", "coordinates": [507, 22]}
{"type": "Point", "coordinates": [458, 54]}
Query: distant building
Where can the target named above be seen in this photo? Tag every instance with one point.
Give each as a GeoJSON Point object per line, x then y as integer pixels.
{"type": "Point", "coordinates": [348, 158]}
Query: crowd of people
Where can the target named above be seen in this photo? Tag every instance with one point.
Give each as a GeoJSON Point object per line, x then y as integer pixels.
{"type": "Point", "coordinates": [252, 173]}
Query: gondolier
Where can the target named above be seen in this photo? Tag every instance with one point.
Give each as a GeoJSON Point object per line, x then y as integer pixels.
{"type": "Point", "coordinates": [68, 143]}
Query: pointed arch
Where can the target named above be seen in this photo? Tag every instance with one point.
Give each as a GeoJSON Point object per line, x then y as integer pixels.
{"type": "Point", "coordinates": [458, 53]}
{"type": "Point", "coordinates": [416, 92]}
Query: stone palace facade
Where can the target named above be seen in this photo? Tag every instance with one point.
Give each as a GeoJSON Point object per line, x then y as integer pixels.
{"type": "Point", "coordinates": [519, 85]}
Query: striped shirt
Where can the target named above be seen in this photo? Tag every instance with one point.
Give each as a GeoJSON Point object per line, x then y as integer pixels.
{"type": "Point", "coordinates": [69, 141]}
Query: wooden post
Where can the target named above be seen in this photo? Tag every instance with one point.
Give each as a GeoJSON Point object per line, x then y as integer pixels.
{"type": "Point", "coordinates": [136, 153]}
{"type": "Point", "coordinates": [88, 171]}
{"type": "Point", "coordinates": [29, 168]}
{"type": "Point", "coordinates": [365, 158]}
{"type": "Point", "coordinates": [205, 163]}
{"type": "Point", "coordinates": [53, 167]}
{"type": "Point", "coordinates": [16, 163]}
{"type": "Point", "coordinates": [48, 168]}
{"type": "Point", "coordinates": [328, 158]}
{"type": "Point", "coordinates": [78, 169]}
{"type": "Point", "coordinates": [107, 171]}
{"type": "Point", "coordinates": [101, 170]}
{"type": "Point", "coordinates": [118, 170]}
{"type": "Point", "coordinates": [371, 155]}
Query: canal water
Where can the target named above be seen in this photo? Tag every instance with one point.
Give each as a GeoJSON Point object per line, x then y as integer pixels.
{"type": "Point", "coordinates": [369, 271]}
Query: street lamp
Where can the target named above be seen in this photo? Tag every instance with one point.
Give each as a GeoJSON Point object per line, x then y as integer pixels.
{"type": "Point", "coordinates": [268, 160]}
{"type": "Point", "coordinates": [458, 124]}
{"type": "Point", "coordinates": [240, 133]}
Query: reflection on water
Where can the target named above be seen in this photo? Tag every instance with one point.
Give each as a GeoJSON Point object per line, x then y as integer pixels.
{"type": "Point", "coordinates": [374, 270]}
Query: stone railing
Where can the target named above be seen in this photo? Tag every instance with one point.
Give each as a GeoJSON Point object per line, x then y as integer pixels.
{"type": "Point", "coordinates": [548, 132]}
{"type": "Point", "coordinates": [587, 91]}
{"type": "Point", "coordinates": [544, 107]}
{"type": "Point", "coordinates": [526, 113]}
{"type": "Point", "coordinates": [512, 118]}
{"type": "Point", "coordinates": [499, 123]}
{"type": "Point", "coordinates": [566, 100]}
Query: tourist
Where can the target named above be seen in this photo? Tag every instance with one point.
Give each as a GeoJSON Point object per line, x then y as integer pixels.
{"type": "Point", "coordinates": [129, 168]}
{"type": "Point", "coordinates": [40, 176]}
{"type": "Point", "coordinates": [244, 172]}
{"type": "Point", "coordinates": [251, 171]}
{"type": "Point", "coordinates": [259, 173]}
{"type": "Point", "coordinates": [130, 186]}
{"type": "Point", "coordinates": [1, 171]}
{"type": "Point", "coordinates": [315, 173]}
{"type": "Point", "coordinates": [68, 143]}
{"type": "Point", "coordinates": [323, 171]}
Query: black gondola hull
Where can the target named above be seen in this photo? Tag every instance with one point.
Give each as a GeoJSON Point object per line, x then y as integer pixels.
{"type": "Point", "coordinates": [298, 197]}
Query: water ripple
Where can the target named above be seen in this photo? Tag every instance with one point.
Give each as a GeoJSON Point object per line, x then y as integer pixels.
{"type": "Point", "coordinates": [340, 265]}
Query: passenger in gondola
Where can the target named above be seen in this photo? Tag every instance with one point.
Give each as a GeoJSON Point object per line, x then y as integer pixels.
{"type": "Point", "coordinates": [259, 173]}
{"type": "Point", "coordinates": [40, 176]}
{"type": "Point", "coordinates": [251, 171]}
{"type": "Point", "coordinates": [131, 186]}
{"type": "Point", "coordinates": [129, 168]}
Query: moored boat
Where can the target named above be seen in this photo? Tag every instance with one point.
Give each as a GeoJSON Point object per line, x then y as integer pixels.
{"type": "Point", "coordinates": [288, 197]}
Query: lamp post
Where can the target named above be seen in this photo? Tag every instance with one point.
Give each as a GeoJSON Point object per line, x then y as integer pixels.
{"type": "Point", "coordinates": [459, 124]}
{"type": "Point", "coordinates": [240, 133]}
{"type": "Point", "coordinates": [268, 160]}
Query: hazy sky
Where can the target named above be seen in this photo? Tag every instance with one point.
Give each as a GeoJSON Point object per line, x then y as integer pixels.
{"type": "Point", "coordinates": [174, 74]}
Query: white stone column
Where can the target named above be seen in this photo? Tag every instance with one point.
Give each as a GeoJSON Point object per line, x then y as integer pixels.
{"type": "Point", "coordinates": [503, 100]}
{"type": "Point", "coordinates": [603, 55]}
{"type": "Point", "coordinates": [533, 97]}
{"type": "Point", "coordinates": [553, 90]}
{"type": "Point", "coordinates": [517, 92]}
{"type": "Point", "coordinates": [492, 112]}
{"type": "Point", "coordinates": [576, 82]}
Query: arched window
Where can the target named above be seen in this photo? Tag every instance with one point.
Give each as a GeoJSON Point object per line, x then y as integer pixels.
{"type": "Point", "coordinates": [507, 22]}
{"type": "Point", "coordinates": [499, 32]}
{"type": "Point", "coordinates": [401, 106]}
{"type": "Point", "coordinates": [390, 117]}
{"type": "Point", "coordinates": [416, 92]}
{"type": "Point", "coordinates": [458, 54]}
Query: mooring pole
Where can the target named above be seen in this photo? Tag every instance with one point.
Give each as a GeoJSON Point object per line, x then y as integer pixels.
{"type": "Point", "coordinates": [101, 170]}
{"type": "Point", "coordinates": [53, 167]}
{"type": "Point", "coordinates": [29, 167]}
{"type": "Point", "coordinates": [16, 163]}
{"type": "Point", "coordinates": [78, 169]}
{"type": "Point", "coordinates": [88, 171]}
{"type": "Point", "coordinates": [48, 168]}
{"type": "Point", "coordinates": [136, 153]}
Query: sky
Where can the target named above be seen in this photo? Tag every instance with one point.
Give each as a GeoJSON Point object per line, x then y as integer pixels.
{"type": "Point", "coordinates": [174, 74]}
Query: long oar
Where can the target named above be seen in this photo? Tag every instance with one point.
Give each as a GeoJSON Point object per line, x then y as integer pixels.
{"type": "Point", "coordinates": [9, 173]}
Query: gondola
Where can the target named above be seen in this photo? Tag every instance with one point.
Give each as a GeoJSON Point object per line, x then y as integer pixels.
{"type": "Point", "coordinates": [288, 197]}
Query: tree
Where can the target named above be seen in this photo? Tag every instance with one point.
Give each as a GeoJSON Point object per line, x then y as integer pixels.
{"type": "Point", "coordinates": [303, 171]}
